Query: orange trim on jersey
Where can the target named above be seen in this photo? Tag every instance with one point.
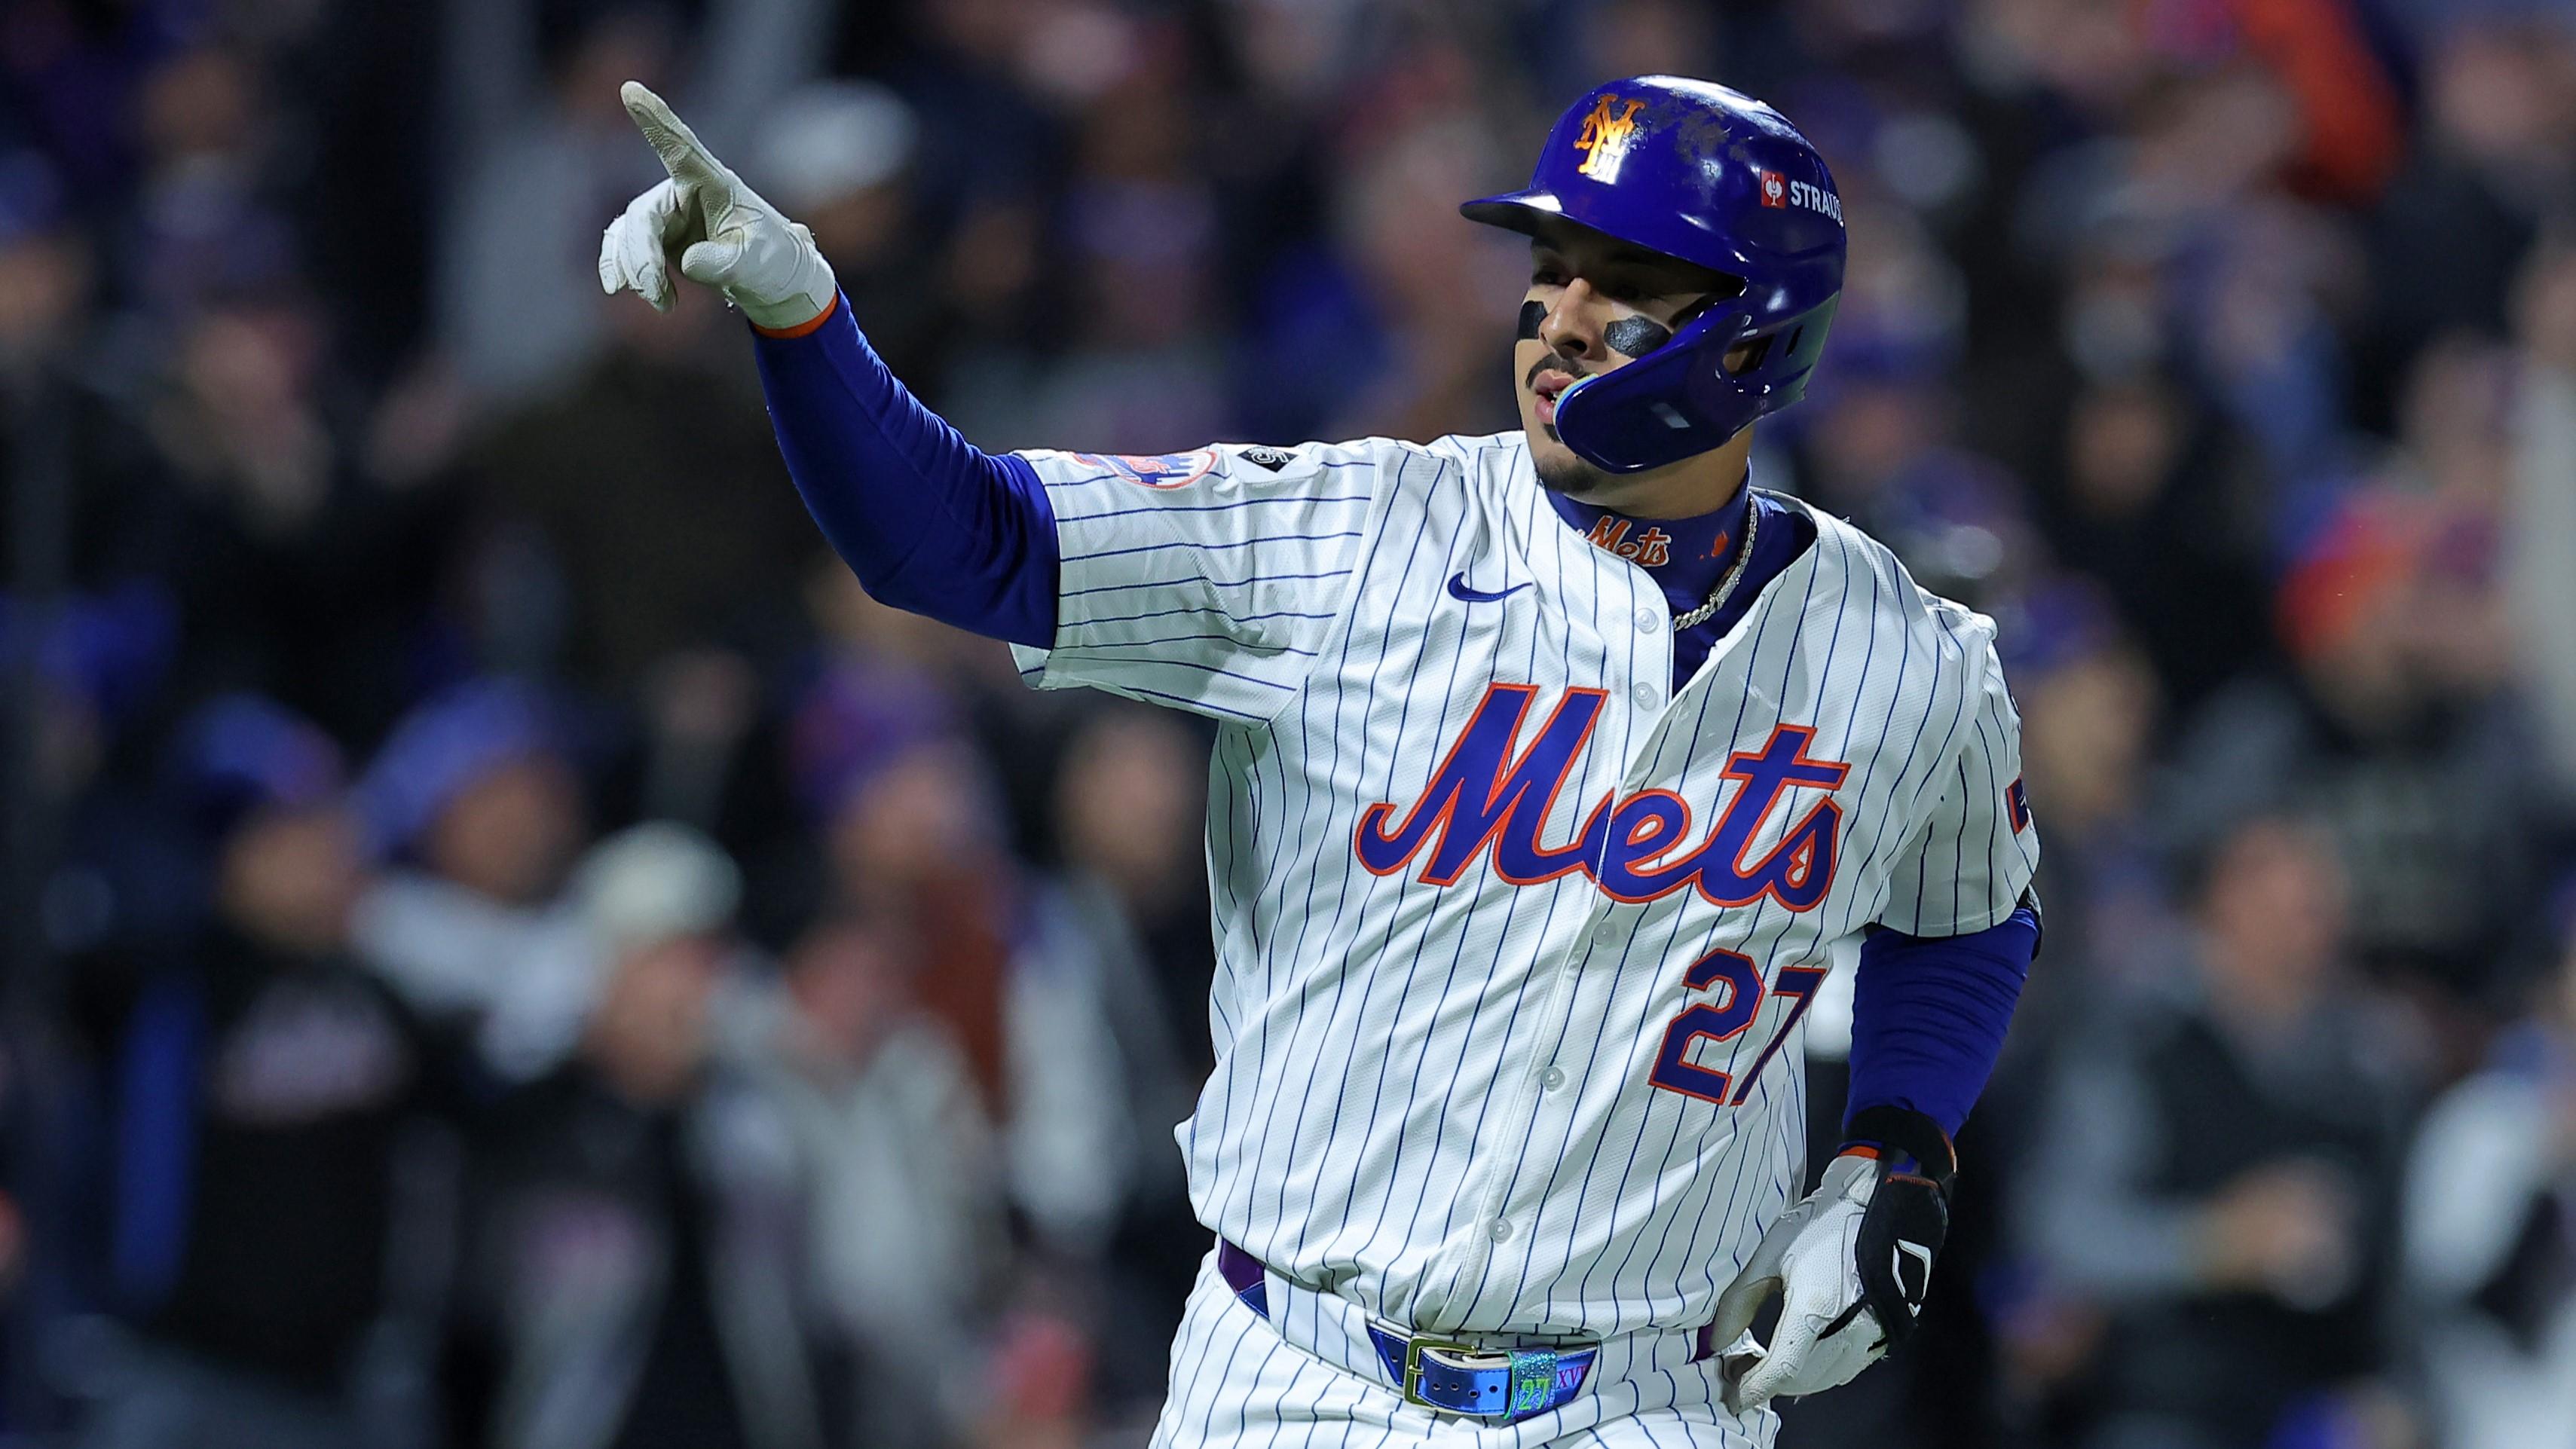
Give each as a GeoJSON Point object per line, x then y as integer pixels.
{"type": "Point", "coordinates": [802, 328]}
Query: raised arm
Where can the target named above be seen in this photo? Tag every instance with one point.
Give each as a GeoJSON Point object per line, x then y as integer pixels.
{"type": "Point", "coordinates": [928, 522]}
{"type": "Point", "coordinates": [1204, 580]}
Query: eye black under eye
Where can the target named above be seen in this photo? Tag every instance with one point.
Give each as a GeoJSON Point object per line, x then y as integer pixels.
{"type": "Point", "coordinates": [1636, 336]}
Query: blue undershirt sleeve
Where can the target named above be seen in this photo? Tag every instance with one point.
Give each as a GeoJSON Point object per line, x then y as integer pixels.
{"type": "Point", "coordinates": [930, 523]}
{"type": "Point", "coordinates": [1929, 1014]}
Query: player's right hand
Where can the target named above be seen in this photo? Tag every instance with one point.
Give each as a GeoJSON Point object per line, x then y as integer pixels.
{"type": "Point", "coordinates": [705, 224]}
{"type": "Point", "coordinates": [1850, 1263]}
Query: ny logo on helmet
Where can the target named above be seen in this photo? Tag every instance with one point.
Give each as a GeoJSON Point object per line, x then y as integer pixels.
{"type": "Point", "coordinates": [1605, 137]}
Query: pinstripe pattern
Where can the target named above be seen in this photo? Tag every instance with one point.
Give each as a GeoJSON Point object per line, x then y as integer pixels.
{"type": "Point", "coordinates": [1435, 1101]}
{"type": "Point", "coordinates": [1235, 1384]}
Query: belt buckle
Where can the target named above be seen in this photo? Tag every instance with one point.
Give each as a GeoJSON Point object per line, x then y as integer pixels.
{"type": "Point", "coordinates": [1529, 1376]}
{"type": "Point", "coordinates": [1418, 1345]}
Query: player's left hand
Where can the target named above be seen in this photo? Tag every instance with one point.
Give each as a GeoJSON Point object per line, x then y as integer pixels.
{"type": "Point", "coordinates": [1851, 1263]}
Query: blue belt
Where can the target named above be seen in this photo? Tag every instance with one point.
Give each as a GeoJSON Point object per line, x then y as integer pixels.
{"type": "Point", "coordinates": [1439, 1373]}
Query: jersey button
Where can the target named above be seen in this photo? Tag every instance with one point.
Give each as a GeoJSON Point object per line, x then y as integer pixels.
{"type": "Point", "coordinates": [1643, 694]}
{"type": "Point", "coordinates": [1552, 1078]}
{"type": "Point", "coordinates": [1649, 620]}
{"type": "Point", "coordinates": [1501, 1231]}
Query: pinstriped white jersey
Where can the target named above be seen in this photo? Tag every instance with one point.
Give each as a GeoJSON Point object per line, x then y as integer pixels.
{"type": "Point", "coordinates": [1512, 939]}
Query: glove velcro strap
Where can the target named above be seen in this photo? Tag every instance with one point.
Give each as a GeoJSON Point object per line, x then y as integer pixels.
{"type": "Point", "coordinates": [1900, 1234]}
{"type": "Point", "coordinates": [1910, 1133]}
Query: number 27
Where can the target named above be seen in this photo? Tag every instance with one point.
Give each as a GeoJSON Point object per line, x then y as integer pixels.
{"type": "Point", "coordinates": [1724, 1020]}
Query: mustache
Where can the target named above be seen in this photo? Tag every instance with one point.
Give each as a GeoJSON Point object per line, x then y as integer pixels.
{"type": "Point", "coordinates": [1552, 363]}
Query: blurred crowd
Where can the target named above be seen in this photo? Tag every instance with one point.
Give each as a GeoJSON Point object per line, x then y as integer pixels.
{"type": "Point", "coordinates": [509, 947]}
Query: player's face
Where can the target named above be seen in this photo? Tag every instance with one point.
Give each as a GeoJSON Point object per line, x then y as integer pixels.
{"type": "Point", "coordinates": [1594, 305]}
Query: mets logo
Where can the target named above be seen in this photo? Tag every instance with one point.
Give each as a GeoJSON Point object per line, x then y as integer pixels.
{"type": "Point", "coordinates": [1652, 548]}
{"type": "Point", "coordinates": [1158, 470]}
{"type": "Point", "coordinates": [1492, 791]}
{"type": "Point", "coordinates": [1604, 138]}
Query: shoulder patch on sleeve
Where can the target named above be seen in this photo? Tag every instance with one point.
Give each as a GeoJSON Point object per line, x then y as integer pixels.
{"type": "Point", "coordinates": [1158, 470]}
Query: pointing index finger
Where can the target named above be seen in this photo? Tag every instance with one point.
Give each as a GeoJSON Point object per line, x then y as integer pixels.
{"type": "Point", "coordinates": [683, 155]}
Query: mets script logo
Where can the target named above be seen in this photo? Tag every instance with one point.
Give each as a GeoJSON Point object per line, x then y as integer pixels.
{"type": "Point", "coordinates": [1636, 849]}
{"type": "Point", "coordinates": [1604, 138]}
{"type": "Point", "coordinates": [1652, 548]}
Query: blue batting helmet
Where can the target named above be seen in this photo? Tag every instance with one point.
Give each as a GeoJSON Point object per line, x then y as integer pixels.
{"type": "Point", "coordinates": [1713, 177]}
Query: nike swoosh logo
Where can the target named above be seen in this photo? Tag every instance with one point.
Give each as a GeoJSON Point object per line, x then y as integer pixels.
{"type": "Point", "coordinates": [1458, 590]}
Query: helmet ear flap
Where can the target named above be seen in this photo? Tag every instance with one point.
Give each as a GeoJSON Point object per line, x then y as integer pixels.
{"type": "Point", "coordinates": [1790, 352]}
{"type": "Point", "coordinates": [1653, 411]}
{"type": "Point", "coordinates": [1684, 399]}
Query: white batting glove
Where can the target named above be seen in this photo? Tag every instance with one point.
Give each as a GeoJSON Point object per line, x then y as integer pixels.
{"type": "Point", "coordinates": [1851, 1263]}
{"type": "Point", "coordinates": [714, 229]}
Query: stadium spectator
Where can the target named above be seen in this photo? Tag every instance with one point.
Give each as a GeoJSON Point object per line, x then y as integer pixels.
{"type": "Point", "coordinates": [2540, 507]}
{"type": "Point", "coordinates": [843, 153]}
{"type": "Point", "coordinates": [2490, 1247]}
{"type": "Point", "coordinates": [480, 811]}
{"type": "Point", "coordinates": [1130, 901]}
{"type": "Point", "coordinates": [2414, 773]}
{"type": "Point", "coordinates": [912, 841]}
{"type": "Point", "coordinates": [2217, 1169]}
{"type": "Point", "coordinates": [539, 162]}
{"type": "Point", "coordinates": [690, 556]}
{"type": "Point", "coordinates": [638, 1272]}
{"type": "Point", "coordinates": [256, 1083]}
{"type": "Point", "coordinates": [904, 1174]}
{"type": "Point", "coordinates": [2091, 707]}
{"type": "Point", "coordinates": [2155, 506]}
{"type": "Point", "coordinates": [292, 571]}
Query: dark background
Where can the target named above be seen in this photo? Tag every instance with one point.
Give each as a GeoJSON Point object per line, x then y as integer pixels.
{"type": "Point", "coordinates": [369, 1079]}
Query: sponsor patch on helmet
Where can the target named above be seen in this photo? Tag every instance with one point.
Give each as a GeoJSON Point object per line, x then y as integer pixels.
{"type": "Point", "coordinates": [1779, 193]}
{"type": "Point", "coordinates": [1816, 199]}
{"type": "Point", "coordinates": [1159, 470]}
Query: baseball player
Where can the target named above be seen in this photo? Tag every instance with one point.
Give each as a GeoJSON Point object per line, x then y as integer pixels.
{"type": "Point", "coordinates": [1553, 772]}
